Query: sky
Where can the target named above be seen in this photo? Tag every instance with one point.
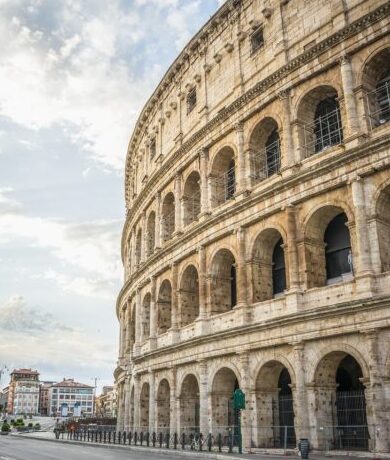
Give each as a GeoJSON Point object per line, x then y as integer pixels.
{"type": "Point", "coordinates": [74, 75]}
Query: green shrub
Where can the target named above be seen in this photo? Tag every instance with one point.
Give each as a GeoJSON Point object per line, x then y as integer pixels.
{"type": "Point", "coordinates": [5, 427]}
{"type": "Point", "coordinates": [37, 426]}
{"type": "Point", "coordinates": [30, 425]}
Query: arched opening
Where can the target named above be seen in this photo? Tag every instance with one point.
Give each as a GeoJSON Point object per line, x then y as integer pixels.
{"type": "Point", "coordinates": [191, 198]}
{"type": "Point", "coordinates": [269, 269]}
{"type": "Point", "coordinates": [163, 406]}
{"type": "Point", "coordinates": [383, 227]}
{"type": "Point", "coordinates": [168, 217]}
{"type": "Point", "coordinates": [338, 254]}
{"type": "Point", "coordinates": [223, 282]}
{"type": "Point", "coordinates": [376, 83]}
{"type": "Point", "coordinates": [341, 402]}
{"type": "Point", "coordinates": [265, 150]}
{"type": "Point", "coordinates": [144, 408]}
{"type": "Point", "coordinates": [328, 255]}
{"type": "Point", "coordinates": [223, 177]}
{"type": "Point", "coordinates": [189, 296]}
{"type": "Point", "coordinates": [138, 248]}
{"type": "Point", "coordinates": [151, 234]}
{"type": "Point", "coordinates": [319, 113]}
{"type": "Point", "coordinates": [189, 406]}
{"type": "Point", "coordinates": [224, 416]}
{"type": "Point", "coordinates": [164, 307]}
{"type": "Point", "coordinates": [146, 316]}
{"type": "Point", "coordinates": [275, 406]}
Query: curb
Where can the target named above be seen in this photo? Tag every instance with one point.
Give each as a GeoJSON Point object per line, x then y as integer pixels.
{"type": "Point", "coordinates": [179, 453]}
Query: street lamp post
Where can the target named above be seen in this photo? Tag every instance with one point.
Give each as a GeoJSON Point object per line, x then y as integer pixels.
{"type": "Point", "coordinates": [95, 379]}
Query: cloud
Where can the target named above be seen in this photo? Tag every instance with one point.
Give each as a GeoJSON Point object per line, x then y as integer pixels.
{"type": "Point", "coordinates": [87, 67]}
{"type": "Point", "coordinates": [16, 317]}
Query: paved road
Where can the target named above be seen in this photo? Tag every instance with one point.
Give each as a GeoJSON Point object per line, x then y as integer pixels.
{"type": "Point", "coordinates": [15, 448]}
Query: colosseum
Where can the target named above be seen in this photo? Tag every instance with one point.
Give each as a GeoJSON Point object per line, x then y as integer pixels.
{"type": "Point", "coordinates": [256, 247]}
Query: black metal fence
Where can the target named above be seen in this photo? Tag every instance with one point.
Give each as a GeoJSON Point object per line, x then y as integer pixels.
{"type": "Point", "coordinates": [159, 439]}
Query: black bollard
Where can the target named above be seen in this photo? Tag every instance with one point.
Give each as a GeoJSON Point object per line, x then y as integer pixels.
{"type": "Point", "coordinates": [230, 441]}
{"type": "Point", "coordinates": [167, 439]}
{"type": "Point", "coordinates": [141, 437]}
{"type": "Point", "coordinates": [220, 442]}
{"type": "Point", "coordinates": [154, 439]}
{"type": "Point", "coordinates": [209, 442]}
{"type": "Point", "coordinates": [124, 437]}
{"type": "Point", "coordinates": [160, 439]}
{"type": "Point", "coordinates": [104, 436]}
{"type": "Point", "coordinates": [109, 437]}
{"type": "Point", "coordinates": [175, 441]}
{"type": "Point", "coordinates": [200, 442]}
{"type": "Point", "coordinates": [130, 437]}
{"type": "Point", "coordinates": [303, 447]}
{"type": "Point", "coordinates": [114, 437]}
{"type": "Point", "coordinates": [191, 441]}
{"type": "Point", "coordinates": [183, 441]}
{"type": "Point", "coordinates": [135, 438]}
{"type": "Point", "coordinates": [147, 438]}
{"type": "Point", "coordinates": [119, 437]}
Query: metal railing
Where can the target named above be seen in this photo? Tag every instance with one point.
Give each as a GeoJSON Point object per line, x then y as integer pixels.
{"type": "Point", "coordinates": [378, 103]}
{"type": "Point", "coordinates": [168, 226]}
{"type": "Point", "coordinates": [223, 187]}
{"type": "Point", "coordinates": [324, 132]}
{"type": "Point", "coordinates": [266, 162]}
{"type": "Point", "coordinates": [191, 208]}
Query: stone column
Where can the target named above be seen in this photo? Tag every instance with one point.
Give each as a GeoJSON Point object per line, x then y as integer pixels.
{"type": "Point", "coordinates": [127, 405]}
{"type": "Point", "coordinates": [137, 403]}
{"type": "Point", "coordinates": [376, 398]}
{"type": "Point", "coordinates": [144, 237]}
{"type": "Point", "coordinates": [362, 261]}
{"type": "Point", "coordinates": [178, 196]}
{"type": "Point", "coordinates": [173, 403]}
{"type": "Point", "coordinates": [288, 154]}
{"type": "Point", "coordinates": [128, 327]}
{"type": "Point", "coordinates": [158, 229]}
{"type": "Point", "coordinates": [292, 250]}
{"type": "Point", "coordinates": [204, 423]}
{"type": "Point", "coordinates": [241, 182]}
{"type": "Point", "coordinates": [120, 334]}
{"type": "Point", "coordinates": [153, 314]}
{"type": "Point", "coordinates": [301, 418]}
{"type": "Point", "coordinates": [349, 96]}
{"type": "Point", "coordinates": [175, 315]}
{"type": "Point", "coordinates": [133, 250]}
{"type": "Point", "coordinates": [152, 401]}
{"type": "Point", "coordinates": [246, 414]}
{"type": "Point", "coordinates": [138, 319]}
{"type": "Point", "coordinates": [242, 281]}
{"type": "Point", "coordinates": [120, 418]}
{"type": "Point", "coordinates": [204, 188]}
{"type": "Point", "coordinates": [202, 282]}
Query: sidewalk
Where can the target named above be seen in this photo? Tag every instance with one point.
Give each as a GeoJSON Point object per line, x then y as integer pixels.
{"type": "Point", "coordinates": [254, 455]}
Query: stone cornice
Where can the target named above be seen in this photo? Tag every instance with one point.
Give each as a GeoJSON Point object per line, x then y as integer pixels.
{"type": "Point", "coordinates": [308, 316]}
{"type": "Point", "coordinates": [310, 54]}
{"type": "Point", "coordinates": [328, 163]}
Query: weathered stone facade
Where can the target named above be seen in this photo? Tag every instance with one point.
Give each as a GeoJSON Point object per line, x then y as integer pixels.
{"type": "Point", "coordinates": [256, 246]}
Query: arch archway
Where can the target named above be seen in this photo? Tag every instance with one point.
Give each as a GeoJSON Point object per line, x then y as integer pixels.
{"type": "Point", "coordinates": [191, 198]}
{"type": "Point", "coordinates": [189, 296]}
{"type": "Point", "coordinates": [223, 177]}
{"type": "Point", "coordinates": [189, 405]}
{"type": "Point", "coordinates": [376, 83]}
{"type": "Point", "coordinates": [168, 217]}
{"type": "Point", "coordinates": [144, 407]}
{"type": "Point", "coordinates": [224, 282]}
{"type": "Point", "coordinates": [319, 113]}
{"type": "Point", "coordinates": [383, 227]}
{"type": "Point", "coordinates": [150, 233]}
{"type": "Point", "coordinates": [341, 401]}
{"type": "Point", "coordinates": [163, 406]}
{"type": "Point", "coordinates": [146, 316]}
{"type": "Point", "coordinates": [328, 250]}
{"type": "Point", "coordinates": [275, 406]}
{"type": "Point", "coordinates": [269, 267]}
{"type": "Point", "coordinates": [265, 150]}
{"type": "Point", "coordinates": [164, 307]}
{"type": "Point", "coordinates": [224, 417]}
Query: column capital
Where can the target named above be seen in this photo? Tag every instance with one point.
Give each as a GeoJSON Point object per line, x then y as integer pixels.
{"type": "Point", "coordinates": [284, 94]}
{"type": "Point", "coordinates": [204, 152]}
{"type": "Point", "coordinates": [344, 59]}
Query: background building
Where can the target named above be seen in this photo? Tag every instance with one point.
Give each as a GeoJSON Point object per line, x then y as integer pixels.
{"type": "Point", "coordinates": [44, 404]}
{"type": "Point", "coordinates": [71, 394]}
{"type": "Point", "coordinates": [23, 393]}
{"type": "Point", "coordinates": [4, 399]}
{"type": "Point", "coordinates": [106, 403]}
{"type": "Point", "coordinates": [256, 246]}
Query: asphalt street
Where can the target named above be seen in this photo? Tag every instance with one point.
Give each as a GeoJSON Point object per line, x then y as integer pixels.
{"type": "Point", "coordinates": [15, 448]}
